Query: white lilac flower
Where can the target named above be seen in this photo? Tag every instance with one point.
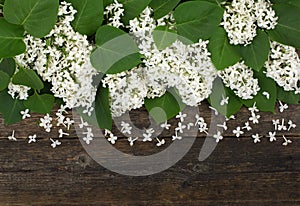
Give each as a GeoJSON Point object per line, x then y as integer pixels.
{"type": "Point", "coordinates": [186, 67]}
{"type": "Point", "coordinates": [148, 135]}
{"type": "Point", "coordinates": [132, 140]}
{"type": "Point", "coordinates": [229, 118]}
{"type": "Point", "coordinates": [68, 122]}
{"type": "Point", "coordinates": [54, 143]}
{"type": "Point", "coordinates": [181, 116]}
{"type": "Point", "coordinates": [160, 142]}
{"type": "Point", "coordinates": [180, 127]}
{"type": "Point", "coordinates": [12, 136]}
{"type": "Point", "coordinates": [283, 66]}
{"type": "Point", "coordinates": [127, 90]}
{"type": "Point", "coordinates": [266, 94]}
{"type": "Point", "coordinates": [62, 58]}
{"type": "Point", "coordinates": [239, 78]}
{"type": "Point", "coordinates": [213, 109]}
{"type": "Point", "coordinates": [256, 138]}
{"type": "Point", "coordinates": [113, 13]}
{"type": "Point", "coordinates": [239, 22]}
{"type": "Point", "coordinates": [291, 125]}
{"type": "Point", "coordinates": [112, 138]}
{"type": "Point", "coordinates": [253, 109]}
{"type": "Point", "coordinates": [242, 17]}
{"type": "Point", "coordinates": [224, 126]}
{"type": "Point", "coordinates": [82, 123]}
{"type": "Point", "coordinates": [126, 128]}
{"type": "Point", "coordinates": [282, 126]}
{"type": "Point", "coordinates": [272, 136]}
{"type": "Point", "coordinates": [254, 118]}
{"type": "Point", "coordinates": [176, 137]}
{"type": "Point", "coordinates": [87, 139]}
{"type": "Point", "coordinates": [238, 132]}
{"type": "Point", "coordinates": [25, 114]}
{"type": "Point", "coordinates": [198, 119]}
{"type": "Point", "coordinates": [247, 126]}
{"type": "Point", "coordinates": [282, 106]}
{"type": "Point", "coordinates": [18, 91]}
{"type": "Point", "coordinates": [88, 135]}
{"type": "Point", "coordinates": [202, 125]}
{"type": "Point", "coordinates": [60, 118]}
{"type": "Point", "coordinates": [218, 136]}
{"type": "Point", "coordinates": [31, 138]}
{"type": "Point", "coordinates": [224, 100]}
{"type": "Point", "coordinates": [286, 141]}
{"type": "Point", "coordinates": [189, 125]}
{"type": "Point", "coordinates": [165, 125]}
{"type": "Point", "coordinates": [46, 123]}
{"type": "Point", "coordinates": [265, 16]}
{"type": "Point", "coordinates": [62, 133]}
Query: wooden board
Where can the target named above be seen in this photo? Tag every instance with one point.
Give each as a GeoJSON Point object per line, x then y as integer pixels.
{"type": "Point", "coordinates": [238, 172]}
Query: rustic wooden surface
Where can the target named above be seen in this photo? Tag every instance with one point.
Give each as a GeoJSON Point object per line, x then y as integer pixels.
{"type": "Point", "coordinates": [238, 172]}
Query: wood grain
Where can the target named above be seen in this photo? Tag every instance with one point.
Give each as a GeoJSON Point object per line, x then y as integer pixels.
{"type": "Point", "coordinates": [238, 172]}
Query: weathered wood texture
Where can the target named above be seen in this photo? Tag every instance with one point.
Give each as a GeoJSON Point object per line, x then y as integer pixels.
{"type": "Point", "coordinates": [238, 172]}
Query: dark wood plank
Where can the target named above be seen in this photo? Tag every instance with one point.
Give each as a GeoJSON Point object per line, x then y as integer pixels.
{"type": "Point", "coordinates": [140, 118]}
{"type": "Point", "coordinates": [238, 172]}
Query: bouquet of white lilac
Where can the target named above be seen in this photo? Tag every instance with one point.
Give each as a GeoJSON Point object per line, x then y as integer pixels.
{"type": "Point", "coordinates": [108, 57]}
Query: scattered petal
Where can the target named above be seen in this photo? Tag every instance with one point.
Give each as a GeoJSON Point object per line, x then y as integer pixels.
{"type": "Point", "coordinates": [31, 138]}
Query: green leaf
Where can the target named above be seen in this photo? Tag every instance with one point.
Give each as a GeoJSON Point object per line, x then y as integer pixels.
{"type": "Point", "coordinates": [37, 16]}
{"type": "Point", "coordinates": [163, 37]}
{"type": "Point", "coordinates": [8, 66]}
{"type": "Point", "coordinates": [223, 54]}
{"type": "Point", "coordinates": [256, 54]}
{"type": "Point", "coordinates": [133, 8]}
{"type": "Point", "coordinates": [219, 92]}
{"type": "Point", "coordinates": [162, 7]}
{"type": "Point", "coordinates": [287, 31]}
{"type": "Point", "coordinates": [107, 2]}
{"type": "Point", "coordinates": [291, 2]}
{"type": "Point", "coordinates": [115, 51]}
{"type": "Point", "coordinates": [197, 19]}
{"type": "Point", "coordinates": [218, 2]}
{"type": "Point", "coordinates": [102, 108]}
{"type": "Point", "coordinates": [10, 108]}
{"type": "Point", "coordinates": [28, 77]}
{"type": "Point", "coordinates": [89, 15]}
{"type": "Point", "coordinates": [11, 39]}
{"type": "Point", "coordinates": [288, 97]}
{"type": "Point", "coordinates": [42, 104]}
{"type": "Point", "coordinates": [164, 107]}
{"type": "Point", "coordinates": [262, 102]}
{"type": "Point", "coordinates": [4, 80]}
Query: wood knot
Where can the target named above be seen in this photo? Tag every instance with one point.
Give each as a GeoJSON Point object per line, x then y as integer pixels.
{"type": "Point", "coordinates": [201, 168]}
{"type": "Point", "coordinates": [186, 184]}
{"type": "Point", "coordinates": [83, 160]}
